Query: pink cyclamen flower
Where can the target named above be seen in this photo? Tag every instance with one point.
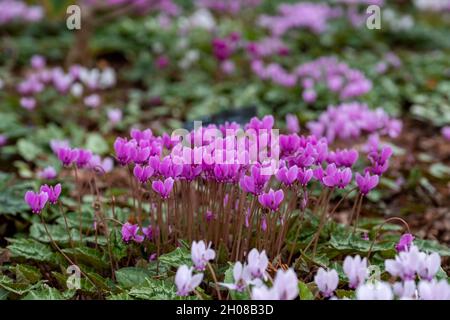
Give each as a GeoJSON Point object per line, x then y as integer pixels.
{"type": "Point", "coordinates": [405, 242]}
{"type": "Point", "coordinates": [355, 269]}
{"type": "Point", "coordinates": [125, 150]}
{"type": "Point", "coordinates": [309, 96]}
{"type": "Point", "coordinates": [434, 290]}
{"type": "Point", "coordinates": [143, 173]}
{"type": "Point", "coordinates": [288, 176]}
{"type": "Point", "coordinates": [344, 158]}
{"type": "Point", "coordinates": [285, 287]}
{"type": "Point", "coordinates": [430, 266]}
{"type": "Point", "coordinates": [405, 290]}
{"type": "Point", "coordinates": [3, 140]}
{"type": "Point", "coordinates": [257, 263]}
{"type": "Point", "coordinates": [366, 183]}
{"type": "Point", "coordinates": [374, 291]}
{"type": "Point", "coordinates": [337, 177]}
{"type": "Point", "coordinates": [163, 188]}
{"type": "Point", "coordinates": [185, 281]}
{"type": "Point", "coordinates": [271, 199]}
{"type": "Point", "coordinates": [292, 124]}
{"type": "Point", "coordinates": [67, 155]}
{"type": "Point", "coordinates": [114, 116]}
{"type": "Point", "coordinates": [304, 176]}
{"type": "Point", "coordinates": [83, 158]}
{"type": "Point", "coordinates": [201, 254]}
{"type": "Point", "coordinates": [148, 232]}
{"type": "Point", "coordinates": [407, 264]}
{"type": "Point", "coordinates": [326, 281]}
{"type": "Point", "coordinates": [36, 201]}
{"type": "Point", "coordinates": [446, 133]}
{"type": "Point", "coordinates": [242, 278]}
{"type": "Point", "coordinates": [130, 232]}
{"type": "Point", "coordinates": [53, 192]}
{"type": "Point", "coordinates": [28, 103]}
{"type": "Point", "coordinates": [37, 62]}
{"type": "Point", "coordinates": [92, 101]}
{"type": "Point", "coordinates": [47, 173]}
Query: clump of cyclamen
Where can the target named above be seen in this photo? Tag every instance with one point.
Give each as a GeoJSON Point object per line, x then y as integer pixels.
{"type": "Point", "coordinates": [353, 120]}
{"type": "Point", "coordinates": [311, 16]}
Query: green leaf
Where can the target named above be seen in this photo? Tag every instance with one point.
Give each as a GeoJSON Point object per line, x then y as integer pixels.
{"type": "Point", "coordinates": [176, 258]}
{"type": "Point", "coordinates": [31, 249]}
{"type": "Point", "coordinates": [304, 291]}
{"type": "Point", "coordinates": [88, 256]}
{"type": "Point", "coordinates": [28, 150]}
{"type": "Point", "coordinates": [132, 276]}
{"type": "Point", "coordinates": [432, 246]}
{"type": "Point", "coordinates": [154, 290]}
{"type": "Point", "coordinates": [48, 293]}
{"type": "Point", "coordinates": [16, 287]}
{"type": "Point", "coordinates": [96, 142]}
{"type": "Point", "coordinates": [352, 243]}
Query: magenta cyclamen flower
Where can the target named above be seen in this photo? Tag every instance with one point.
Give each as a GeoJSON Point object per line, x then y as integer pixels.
{"type": "Point", "coordinates": [271, 199]}
{"type": "Point", "coordinates": [288, 176]}
{"type": "Point", "coordinates": [130, 232]}
{"type": "Point", "coordinates": [327, 281]}
{"type": "Point", "coordinates": [125, 150]}
{"type": "Point", "coordinates": [67, 155]}
{"type": "Point", "coordinates": [143, 173]}
{"type": "Point", "coordinates": [163, 188]}
{"type": "Point", "coordinates": [201, 254]}
{"type": "Point", "coordinates": [304, 176]}
{"type": "Point", "coordinates": [148, 232]}
{"type": "Point", "coordinates": [292, 124]}
{"type": "Point", "coordinates": [337, 177]}
{"type": "Point", "coordinates": [405, 242]}
{"type": "Point", "coordinates": [185, 281]}
{"type": "Point", "coordinates": [36, 201]}
{"type": "Point", "coordinates": [446, 133]}
{"type": "Point", "coordinates": [83, 158]}
{"type": "Point", "coordinates": [366, 183]}
{"type": "Point", "coordinates": [343, 158]}
{"type": "Point", "coordinates": [52, 192]}
{"type": "Point", "coordinates": [47, 173]}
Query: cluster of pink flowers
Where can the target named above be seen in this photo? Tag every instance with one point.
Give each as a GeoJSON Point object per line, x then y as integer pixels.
{"type": "Point", "coordinates": [266, 47]}
{"type": "Point", "coordinates": [227, 6]}
{"type": "Point", "coordinates": [19, 11]}
{"type": "Point", "coordinates": [352, 120]}
{"type": "Point", "coordinates": [312, 16]}
{"type": "Point", "coordinates": [337, 76]}
{"type": "Point", "coordinates": [162, 160]}
{"type": "Point", "coordinates": [37, 200]}
{"type": "Point", "coordinates": [80, 82]}
{"type": "Point", "coordinates": [168, 7]}
{"type": "Point", "coordinates": [81, 158]}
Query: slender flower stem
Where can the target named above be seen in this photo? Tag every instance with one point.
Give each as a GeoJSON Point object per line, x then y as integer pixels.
{"type": "Point", "coordinates": [60, 251]}
{"type": "Point", "coordinates": [80, 213]}
{"type": "Point", "coordinates": [379, 229]}
{"type": "Point", "coordinates": [215, 281]}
